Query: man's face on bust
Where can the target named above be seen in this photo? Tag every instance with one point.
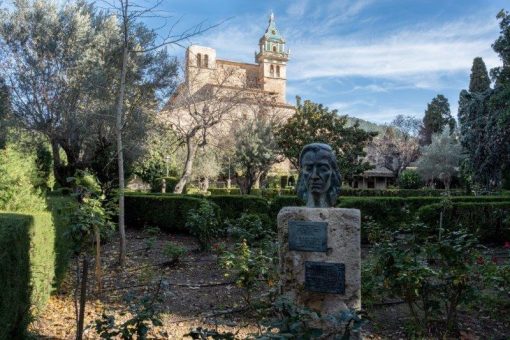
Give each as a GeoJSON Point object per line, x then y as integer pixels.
{"type": "Point", "coordinates": [316, 171]}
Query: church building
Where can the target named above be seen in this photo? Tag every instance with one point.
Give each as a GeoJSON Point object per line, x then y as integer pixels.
{"type": "Point", "coordinates": [244, 89]}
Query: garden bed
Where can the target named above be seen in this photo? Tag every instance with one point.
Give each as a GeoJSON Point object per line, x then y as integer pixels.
{"type": "Point", "coordinates": [195, 293]}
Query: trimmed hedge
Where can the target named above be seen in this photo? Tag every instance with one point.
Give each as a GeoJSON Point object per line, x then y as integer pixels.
{"type": "Point", "coordinates": [232, 206]}
{"type": "Point", "coordinates": [272, 193]}
{"type": "Point", "coordinates": [266, 193]}
{"type": "Point", "coordinates": [14, 274]}
{"type": "Point", "coordinates": [167, 212]}
{"type": "Point", "coordinates": [224, 191]}
{"type": "Point", "coordinates": [34, 254]}
{"type": "Point", "coordinates": [399, 192]}
{"type": "Point", "coordinates": [395, 210]}
{"type": "Point", "coordinates": [490, 221]}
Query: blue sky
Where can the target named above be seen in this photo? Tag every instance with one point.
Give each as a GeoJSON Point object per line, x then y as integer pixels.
{"type": "Point", "coordinates": [369, 59]}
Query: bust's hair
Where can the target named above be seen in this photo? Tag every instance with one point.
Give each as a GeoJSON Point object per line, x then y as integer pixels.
{"type": "Point", "coordinates": [336, 179]}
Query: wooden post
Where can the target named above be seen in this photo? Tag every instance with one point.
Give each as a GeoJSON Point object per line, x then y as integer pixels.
{"type": "Point", "coordinates": [83, 297]}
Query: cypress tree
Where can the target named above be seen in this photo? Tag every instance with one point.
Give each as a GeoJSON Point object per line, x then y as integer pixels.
{"type": "Point", "coordinates": [437, 116]}
{"type": "Point", "coordinates": [479, 79]}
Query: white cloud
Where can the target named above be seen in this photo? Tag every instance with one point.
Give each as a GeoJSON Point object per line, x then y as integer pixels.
{"type": "Point", "coordinates": [413, 53]}
{"type": "Point", "coordinates": [297, 9]}
{"type": "Point", "coordinates": [328, 43]}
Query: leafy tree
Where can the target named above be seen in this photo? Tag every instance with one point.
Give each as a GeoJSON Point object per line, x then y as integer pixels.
{"type": "Point", "coordinates": [484, 116]}
{"type": "Point", "coordinates": [410, 179]}
{"type": "Point", "coordinates": [62, 63]}
{"type": "Point", "coordinates": [479, 78]}
{"type": "Point", "coordinates": [207, 166]}
{"type": "Point", "coordinates": [256, 151]}
{"type": "Point", "coordinates": [315, 123]}
{"type": "Point", "coordinates": [195, 111]}
{"type": "Point", "coordinates": [437, 116]}
{"type": "Point", "coordinates": [440, 159]}
{"type": "Point", "coordinates": [398, 146]}
{"type": "Point", "coordinates": [500, 101]}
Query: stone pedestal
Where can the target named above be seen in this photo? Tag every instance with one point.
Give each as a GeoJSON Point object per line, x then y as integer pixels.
{"type": "Point", "coordinates": [320, 259]}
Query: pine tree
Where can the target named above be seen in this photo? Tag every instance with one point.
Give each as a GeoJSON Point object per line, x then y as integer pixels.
{"type": "Point", "coordinates": [479, 79]}
{"type": "Point", "coordinates": [437, 116]}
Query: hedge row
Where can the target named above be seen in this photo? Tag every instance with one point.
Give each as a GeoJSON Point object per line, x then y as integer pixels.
{"type": "Point", "coordinates": [167, 212]}
{"type": "Point", "coordinates": [266, 193]}
{"type": "Point", "coordinates": [235, 206]}
{"type": "Point", "coordinates": [396, 210]}
{"type": "Point", "coordinates": [34, 255]}
{"type": "Point", "coordinates": [14, 274]}
{"type": "Point", "coordinates": [399, 192]}
{"type": "Point", "coordinates": [272, 193]}
{"type": "Point", "coordinates": [489, 220]}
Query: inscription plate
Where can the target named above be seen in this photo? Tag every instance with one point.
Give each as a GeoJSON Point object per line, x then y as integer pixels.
{"type": "Point", "coordinates": [308, 236]}
{"type": "Point", "coordinates": [325, 277]}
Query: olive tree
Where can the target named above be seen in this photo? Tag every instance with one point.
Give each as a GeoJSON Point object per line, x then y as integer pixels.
{"type": "Point", "coordinates": [441, 159]}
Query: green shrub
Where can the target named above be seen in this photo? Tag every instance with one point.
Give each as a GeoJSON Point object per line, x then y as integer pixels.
{"type": "Point", "coordinates": [249, 267]}
{"type": "Point", "coordinates": [489, 221]}
{"type": "Point", "coordinates": [250, 227]}
{"type": "Point", "coordinates": [34, 253]}
{"type": "Point", "coordinates": [204, 224]}
{"type": "Point", "coordinates": [233, 206]}
{"type": "Point", "coordinates": [167, 212]}
{"type": "Point", "coordinates": [173, 252]}
{"type": "Point", "coordinates": [410, 179]}
{"type": "Point", "coordinates": [432, 274]}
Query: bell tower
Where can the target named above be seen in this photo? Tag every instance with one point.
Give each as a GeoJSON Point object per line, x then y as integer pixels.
{"type": "Point", "coordinates": [272, 59]}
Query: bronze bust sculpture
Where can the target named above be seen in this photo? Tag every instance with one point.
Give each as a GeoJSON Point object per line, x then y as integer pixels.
{"type": "Point", "coordinates": [319, 179]}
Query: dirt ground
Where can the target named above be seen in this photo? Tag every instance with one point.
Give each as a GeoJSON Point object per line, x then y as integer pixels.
{"type": "Point", "coordinates": [195, 293]}
{"type": "Point", "coordinates": [192, 293]}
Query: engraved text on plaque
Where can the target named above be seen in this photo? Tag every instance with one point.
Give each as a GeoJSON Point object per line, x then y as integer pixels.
{"type": "Point", "coordinates": [308, 236]}
{"type": "Point", "coordinates": [325, 277]}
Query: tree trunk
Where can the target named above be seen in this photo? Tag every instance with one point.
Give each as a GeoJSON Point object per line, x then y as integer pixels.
{"type": "Point", "coordinates": [206, 184]}
{"type": "Point", "coordinates": [191, 149]}
{"type": "Point", "coordinates": [118, 131]}
{"type": "Point", "coordinates": [57, 163]}
{"type": "Point", "coordinates": [99, 272]}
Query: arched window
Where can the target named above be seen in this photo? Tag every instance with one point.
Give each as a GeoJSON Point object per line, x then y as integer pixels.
{"type": "Point", "coordinates": [206, 60]}
{"type": "Point", "coordinates": [271, 71]}
{"type": "Point", "coordinates": [274, 48]}
{"type": "Point", "coordinates": [199, 60]}
{"type": "Point", "coordinates": [278, 71]}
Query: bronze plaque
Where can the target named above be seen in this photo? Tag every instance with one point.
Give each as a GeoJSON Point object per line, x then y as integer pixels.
{"type": "Point", "coordinates": [323, 277]}
{"type": "Point", "coordinates": [308, 236]}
